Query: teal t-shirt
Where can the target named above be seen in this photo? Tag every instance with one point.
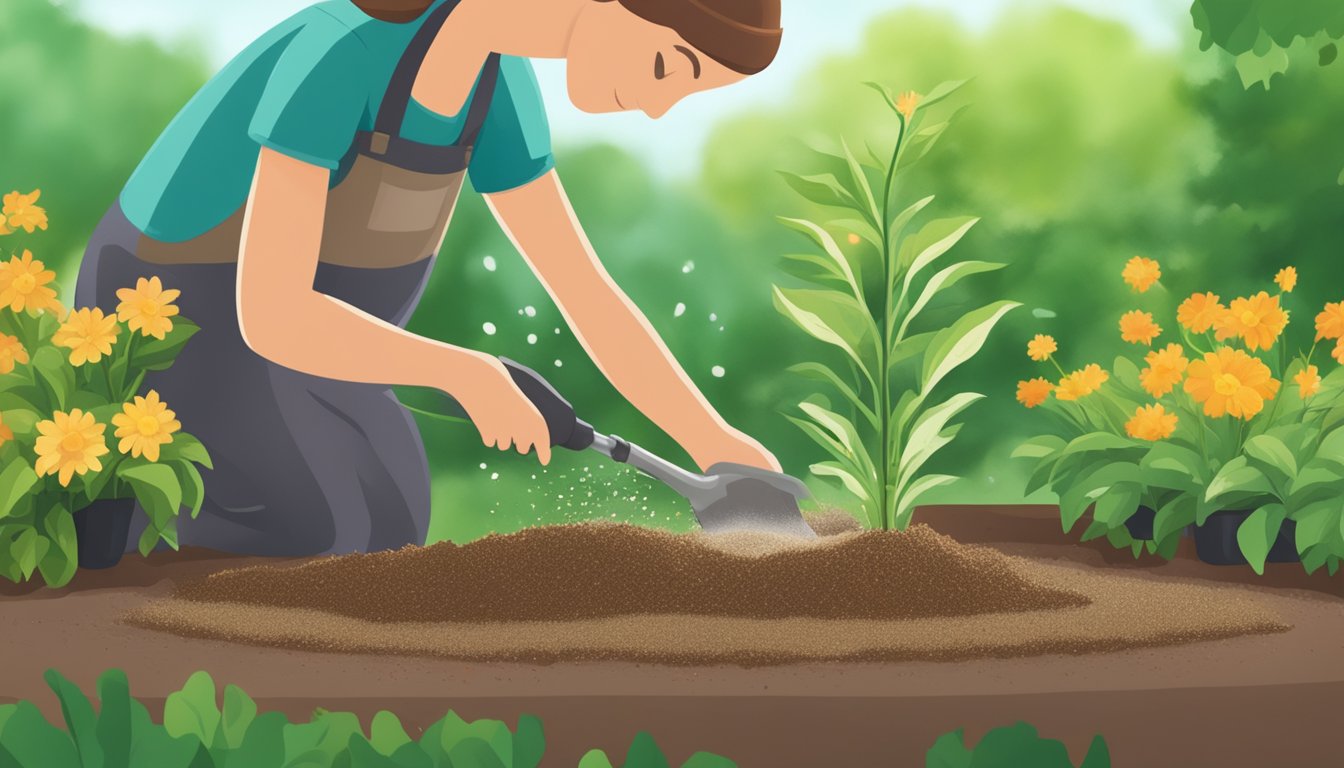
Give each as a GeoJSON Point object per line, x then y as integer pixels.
{"type": "Point", "coordinates": [305, 88]}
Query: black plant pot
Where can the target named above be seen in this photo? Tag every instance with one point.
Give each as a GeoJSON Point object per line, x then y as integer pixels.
{"type": "Point", "coordinates": [101, 530]}
{"type": "Point", "coordinates": [1140, 524]}
{"type": "Point", "coordinates": [1216, 540]}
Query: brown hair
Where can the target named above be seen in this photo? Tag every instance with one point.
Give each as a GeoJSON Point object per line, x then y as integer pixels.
{"type": "Point", "coordinates": [743, 35]}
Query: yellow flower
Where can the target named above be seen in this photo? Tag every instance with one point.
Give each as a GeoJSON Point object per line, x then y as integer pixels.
{"type": "Point", "coordinates": [11, 353]}
{"type": "Point", "coordinates": [1141, 273]}
{"type": "Point", "coordinates": [1041, 348]}
{"type": "Point", "coordinates": [1138, 328]}
{"type": "Point", "coordinates": [21, 211]}
{"type": "Point", "coordinates": [1287, 279]}
{"type": "Point", "coordinates": [1164, 371]}
{"type": "Point", "coordinates": [23, 284]}
{"type": "Point", "coordinates": [1229, 381]}
{"type": "Point", "coordinates": [1257, 321]}
{"type": "Point", "coordinates": [69, 444]}
{"type": "Point", "coordinates": [147, 307]}
{"type": "Point", "coordinates": [1308, 381]}
{"type": "Point", "coordinates": [1033, 393]}
{"type": "Point", "coordinates": [144, 426]}
{"type": "Point", "coordinates": [1200, 312]}
{"type": "Point", "coordinates": [1330, 323]}
{"type": "Point", "coordinates": [908, 103]}
{"type": "Point", "coordinates": [1080, 384]}
{"type": "Point", "coordinates": [88, 334]}
{"type": "Point", "coordinates": [6, 434]}
{"type": "Point", "coordinates": [1151, 422]}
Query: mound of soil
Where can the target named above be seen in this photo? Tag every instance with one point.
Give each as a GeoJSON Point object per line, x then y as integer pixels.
{"type": "Point", "coordinates": [576, 572]}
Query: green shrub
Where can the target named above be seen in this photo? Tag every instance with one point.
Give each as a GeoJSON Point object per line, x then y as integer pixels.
{"type": "Point", "coordinates": [1016, 746]}
{"type": "Point", "coordinates": [197, 733]}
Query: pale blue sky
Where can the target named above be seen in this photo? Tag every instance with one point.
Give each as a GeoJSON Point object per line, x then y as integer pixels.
{"type": "Point", "coordinates": [814, 29]}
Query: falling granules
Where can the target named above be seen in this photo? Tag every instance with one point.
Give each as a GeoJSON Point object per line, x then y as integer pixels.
{"type": "Point", "coordinates": [608, 592]}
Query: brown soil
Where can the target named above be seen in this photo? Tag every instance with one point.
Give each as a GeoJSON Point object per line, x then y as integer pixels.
{"type": "Point", "coordinates": [607, 592]}
{"type": "Point", "coordinates": [575, 572]}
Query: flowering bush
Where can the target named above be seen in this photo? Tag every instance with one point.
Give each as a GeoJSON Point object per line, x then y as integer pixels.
{"type": "Point", "coordinates": [1222, 419]}
{"type": "Point", "coordinates": [65, 378]}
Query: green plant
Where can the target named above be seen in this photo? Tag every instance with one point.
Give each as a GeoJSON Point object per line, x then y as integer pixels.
{"type": "Point", "coordinates": [1015, 746]}
{"type": "Point", "coordinates": [67, 380]}
{"type": "Point", "coordinates": [197, 732]}
{"type": "Point", "coordinates": [868, 302]}
{"type": "Point", "coordinates": [1258, 32]}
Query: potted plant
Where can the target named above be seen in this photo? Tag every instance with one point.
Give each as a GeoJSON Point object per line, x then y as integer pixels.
{"type": "Point", "coordinates": [79, 444]}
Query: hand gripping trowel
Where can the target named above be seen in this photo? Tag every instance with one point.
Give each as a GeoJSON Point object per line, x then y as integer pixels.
{"type": "Point", "coordinates": [728, 497]}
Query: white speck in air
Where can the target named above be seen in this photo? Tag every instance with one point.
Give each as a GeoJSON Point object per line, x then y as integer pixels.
{"type": "Point", "coordinates": [489, 262]}
{"type": "Point", "coordinates": [557, 331]}
{"type": "Point", "coordinates": [531, 311]}
{"type": "Point", "coordinates": [680, 310]}
{"type": "Point", "coordinates": [713, 317]}
{"type": "Point", "coordinates": [688, 268]}
{"type": "Point", "coordinates": [531, 338]}
{"type": "Point", "coordinates": [559, 364]}
{"type": "Point", "coordinates": [489, 329]}
{"type": "Point", "coordinates": [720, 329]}
{"type": "Point", "coordinates": [718, 371]}
{"type": "Point", "coordinates": [494, 475]}
{"type": "Point", "coordinates": [482, 465]}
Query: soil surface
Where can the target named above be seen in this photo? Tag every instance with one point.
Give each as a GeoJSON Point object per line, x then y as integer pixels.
{"type": "Point", "coordinates": [1253, 700]}
{"type": "Point", "coordinates": [618, 593]}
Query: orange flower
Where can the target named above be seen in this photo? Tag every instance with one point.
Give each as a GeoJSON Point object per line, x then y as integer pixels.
{"type": "Point", "coordinates": [12, 353]}
{"type": "Point", "coordinates": [1041, 348]}
{"type": "Point", "coordinates": [908, 103]}
{"type": "Point", "coordinates": [1080, 384]}
{"type": "Point", "coordinates": [854, 239]}
{"type": "Point", "coordinates": [1330, 323]}
{"type": "Point", "coordinates": [1308, 381]}
{"type": "Point", "coordinates": [22, 212]}
{"type": "Point", "coordinates": [1287, 279]}
{"type": "Point", "coordinates": [1229, 381]}
{"type": "Point", "coordinates": [1141, 273]}
{"type": "Point", "coordinates": [1033, 393]}
{"type": "Point", "coordinates": [1138, 328]}
{"type": "Point", "coordinates": [1164, 371]}
{"type": "Point", "coordinates": [1338, 352]}
{"type": "Point", "coordinates": [1151, 422]}
{"type": "Point", "coordinates": [1200, 312]}
{"type": "Point", "coordinates": [23, 284]}
{"type": "Point", "coordinates": [1257, 321]}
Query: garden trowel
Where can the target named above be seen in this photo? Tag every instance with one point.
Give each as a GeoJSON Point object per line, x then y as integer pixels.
{"type": "Point", "coordinates": [728, 497]}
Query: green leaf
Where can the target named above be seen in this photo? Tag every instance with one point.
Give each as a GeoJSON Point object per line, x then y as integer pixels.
{"type": "Point", "coordinates": [844, 475]}
{"type": "Point", "coordinates": [1039, 447]}
{"type": "Point", "coordinates": [949, 751]}
{"type": "Point", "coordinates": [834, 318]}
{"type": "Point", "coordinates": [28, 549]}
{"type": "Point", "coordinates": [1261, 68]}
{"type": "Point", "coordinates": [821, 372]}
{"type": "Point", "coordinates": [1258, 534]}
{"type": "Point", "coordinates": [822, 189]}
{"type": "Point", "coordinates": [192, 711]}
{"type": "Point", "coordinates": [1019, 746]}
{"type": "Point", "coordinates": [1237, 476]}
{"type": "Point", "coordinates": [185, 446]}
{"type": "Point", "coordinates": [644, 753]}
{"type": "Point", "coordinates": [16, 480]}
{"type": "Point", "coordinates": [61, 560]}
{"type": "Point", "coordinates": [708, 760]}
{"type": "Point", "coordinates": [386, 733]}
{"type": "Point", "coordinates": [33, 742]}
{"type": "Point", "coordinates": [944, 279]}
{"type": "Point", "coordinates": [595, 758]}
{"type": "Point", "coordinates": [1271, 454]}
{"type": "Point", "coordinates": [79, 720]}
{"type": "Point", "coordinates": [860, 180]}
{"type": "Point", "coordinates": [1117, 504]}
{"type": "Point", "coordinates": [905, 505]}
{"type": "Point", "coordinates": [1315, 521]}
{"type": "Point", "coordinates": [529, 743]}
{"type": "Point", "coordinates": [941, 91]}
{"type": "Point", "coordinates": [159, 354]}
{"type": "Point", "coordinates": [114, 727]}
{"type": "Point", "coordinates": [156, 488]}
{"type": "Point", "coordinates": [1091, 483]}
{"type": "Point", "coordinates": [239, 712]}
{"type": "Point", "coordinates": [929, 244]}
{"type": "Point", "coordinates": [56, 373]}
{"type": "Point", "coordinates": [962, 341]}
{"type": "Point", "coordinates": [477, 753]}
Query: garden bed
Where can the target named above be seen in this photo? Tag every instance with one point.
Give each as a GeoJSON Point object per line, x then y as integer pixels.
{"type": "Point", "coordinates": [619, 593]}
{"type": "Point", "coordinates": [1192, 703]}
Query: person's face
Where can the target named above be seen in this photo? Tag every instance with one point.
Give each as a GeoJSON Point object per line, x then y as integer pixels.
{"type": "Point", "coordinates": [618, 62]}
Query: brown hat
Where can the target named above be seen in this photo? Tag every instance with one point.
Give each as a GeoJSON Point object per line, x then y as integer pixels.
{"type": "Point", "coordinates": [743, 35]}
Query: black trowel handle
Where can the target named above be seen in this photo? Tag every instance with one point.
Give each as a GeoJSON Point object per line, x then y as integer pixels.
{"type": "Point", "coordinates": [567, 429]}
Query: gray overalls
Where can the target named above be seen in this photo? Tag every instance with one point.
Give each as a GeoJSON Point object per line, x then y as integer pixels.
{"type": "Point", "coordinates": [306, 465]}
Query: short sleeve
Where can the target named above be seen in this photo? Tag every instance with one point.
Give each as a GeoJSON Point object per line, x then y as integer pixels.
{"type": "Point", "coordinates": [316, 95]}
{"type": "Point", "coordinates": [514, 147]}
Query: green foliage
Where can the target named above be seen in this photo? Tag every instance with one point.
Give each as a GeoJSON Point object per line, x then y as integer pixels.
{"type": "Point", "coordinates": [198, 733]}
{"type": "Point", "coordinates": [867, 301]}
{"type": "Point", "coordinates": [1259, 32]}
{"type": "Point", "coordinates": [1012, 747]}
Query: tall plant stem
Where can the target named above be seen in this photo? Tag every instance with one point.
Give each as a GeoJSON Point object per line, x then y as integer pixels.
{"type": "Point", "coordinates": [884, 373]}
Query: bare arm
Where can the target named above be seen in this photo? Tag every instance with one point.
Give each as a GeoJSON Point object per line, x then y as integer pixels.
{"type": "Point", "coordinates": [614, 332]}
{"type": "Point", "coordinates": [283, 319]}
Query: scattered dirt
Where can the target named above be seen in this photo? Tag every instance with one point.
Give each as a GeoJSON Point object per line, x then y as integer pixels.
{"type": "Point", "coordinates": [609, 592]}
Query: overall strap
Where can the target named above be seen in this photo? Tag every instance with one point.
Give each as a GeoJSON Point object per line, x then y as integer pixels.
{"type": "Point", "coordinates": [385, 141]}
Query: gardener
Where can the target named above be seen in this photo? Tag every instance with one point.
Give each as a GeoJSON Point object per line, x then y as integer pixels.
{"type": "Point", "coordinates": [298, 203]}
